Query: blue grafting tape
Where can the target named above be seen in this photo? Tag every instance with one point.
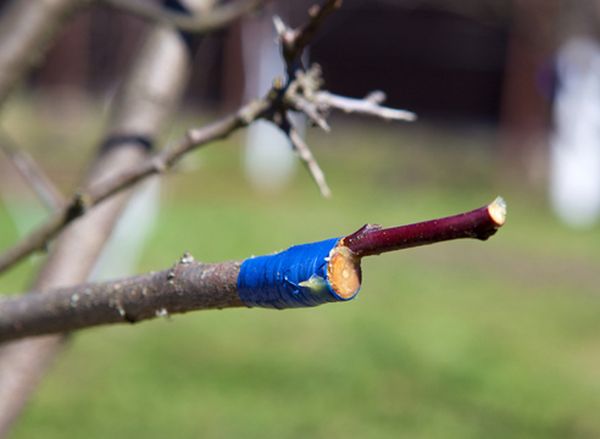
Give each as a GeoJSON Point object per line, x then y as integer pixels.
{"type": "Point", "coordinates": [273, 281]}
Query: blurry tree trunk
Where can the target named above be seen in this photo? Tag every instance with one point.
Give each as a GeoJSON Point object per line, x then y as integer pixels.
{"type": "Point", "coordinates": [525, 111]}
{"type": "Point", "coordinates": [150, 93]}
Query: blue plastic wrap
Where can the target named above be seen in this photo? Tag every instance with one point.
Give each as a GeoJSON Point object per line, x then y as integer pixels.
{"type": "Point", "coordinates": [294, 278]}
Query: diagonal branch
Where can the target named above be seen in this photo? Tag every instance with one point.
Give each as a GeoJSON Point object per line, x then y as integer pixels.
{"type": "Point", "coordinates": [294, 41]}
{"type": "Point", "coordinates": [306, 155]}
{"type": "Point", "coordinates": [33, 174]}
{"type": "Point", "coordinates": [189, 285]}
{"type": "Point", "coordinates": [216, 18]}
{"type": "Point", "coordinates": [302, 87]}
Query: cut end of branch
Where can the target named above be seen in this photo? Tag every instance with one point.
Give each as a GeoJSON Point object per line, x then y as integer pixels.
{"type": "Point", "coordinates": [497, 211]}
{"type": "Point", "coordinates": [343, 272]}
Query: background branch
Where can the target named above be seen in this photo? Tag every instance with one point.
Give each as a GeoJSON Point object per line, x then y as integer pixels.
{"type": "Point", "coordinates": [32, 173]}
{"type": "Point", "coordinates": [201, 22]}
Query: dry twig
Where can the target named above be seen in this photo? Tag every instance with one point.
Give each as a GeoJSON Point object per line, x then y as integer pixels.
{"type": "Point", "coordinates": [149, 94]}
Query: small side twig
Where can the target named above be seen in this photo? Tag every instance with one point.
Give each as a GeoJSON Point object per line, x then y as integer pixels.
{"type": "Point", "coordinates": [189, 286]}
{"type": "Point", "coordinates": [33, 174]}
{"type": "Point", "coordinates": [369, 106]}
{"type": "Point", "coordinates": [184, 287]}
{"type": "Point", "coordinates": [294, 41]}
{"type": "Point", "coordinates": [306, 155]}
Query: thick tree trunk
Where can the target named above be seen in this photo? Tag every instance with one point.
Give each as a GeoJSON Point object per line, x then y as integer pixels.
{"type": "Point", "coordinates": [152, 90]}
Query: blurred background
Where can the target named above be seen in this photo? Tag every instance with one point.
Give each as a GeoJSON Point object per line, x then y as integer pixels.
{"type": "Point", "coordinates": [461, 339]}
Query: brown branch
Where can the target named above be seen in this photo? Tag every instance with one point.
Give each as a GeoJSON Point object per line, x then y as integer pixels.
{"type": "Point", "coordinates": [33, 174]}
{"type": "Point", "coordinates": [187, 286]}
{"type": "Point", "coordinates": [208, 21]}
{"type": "Point", "coordinates": [306, 155]}
{"type": "Point", "coordinates": [479, 224]}
{"type": "Point", "coordinates": [294, 41]}
{"type": "Point", "coordinates": [369, 106]}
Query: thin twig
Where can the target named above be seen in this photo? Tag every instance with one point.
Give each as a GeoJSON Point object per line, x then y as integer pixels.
{"type": "Point", "coordinates": [306, 156]}
{"type": "Point", "coordinates": [367, 106]}
{"type": "Point", "coordinates": [217, 18]}
{"type": "Point", "coordinates": [294, 41]}
{"type": "Point", "coordinates": [33, 174]}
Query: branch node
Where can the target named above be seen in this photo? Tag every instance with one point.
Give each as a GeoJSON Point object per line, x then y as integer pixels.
{"type": "Point", "coordinates": [78, 206]}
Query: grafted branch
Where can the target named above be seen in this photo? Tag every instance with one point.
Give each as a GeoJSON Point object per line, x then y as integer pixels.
{"type": "Point", "coordinates": [189, 286]}
{"type": "Point", "coordinates": [186, 286]}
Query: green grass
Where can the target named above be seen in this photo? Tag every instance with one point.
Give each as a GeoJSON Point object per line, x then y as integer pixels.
{"type": "Point", "coordinates": [465, 339]}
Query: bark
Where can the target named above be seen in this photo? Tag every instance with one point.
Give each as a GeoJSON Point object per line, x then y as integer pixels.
{"type": "Point", "coordinates": [187, 286]}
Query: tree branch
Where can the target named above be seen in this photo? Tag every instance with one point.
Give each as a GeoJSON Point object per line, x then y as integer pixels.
{"type": "Point", "coordinates": [306, 155]}
{"type": "Point", "coordinates": [214, 19]}
{"type": "Point", "coordinates": [294, 41]}
{"type": "Point", "coordinates": [369, 106]}
{"type": "Point", "coordinates": [189, 286]}
{"type": "Point", "coordinates": [283, 97]}
{"type": "Point", "coordinates": [33, 174]}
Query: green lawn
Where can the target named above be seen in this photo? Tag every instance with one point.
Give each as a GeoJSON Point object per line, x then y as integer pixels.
{"type": "Point", "coordinates": [464, 339]}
